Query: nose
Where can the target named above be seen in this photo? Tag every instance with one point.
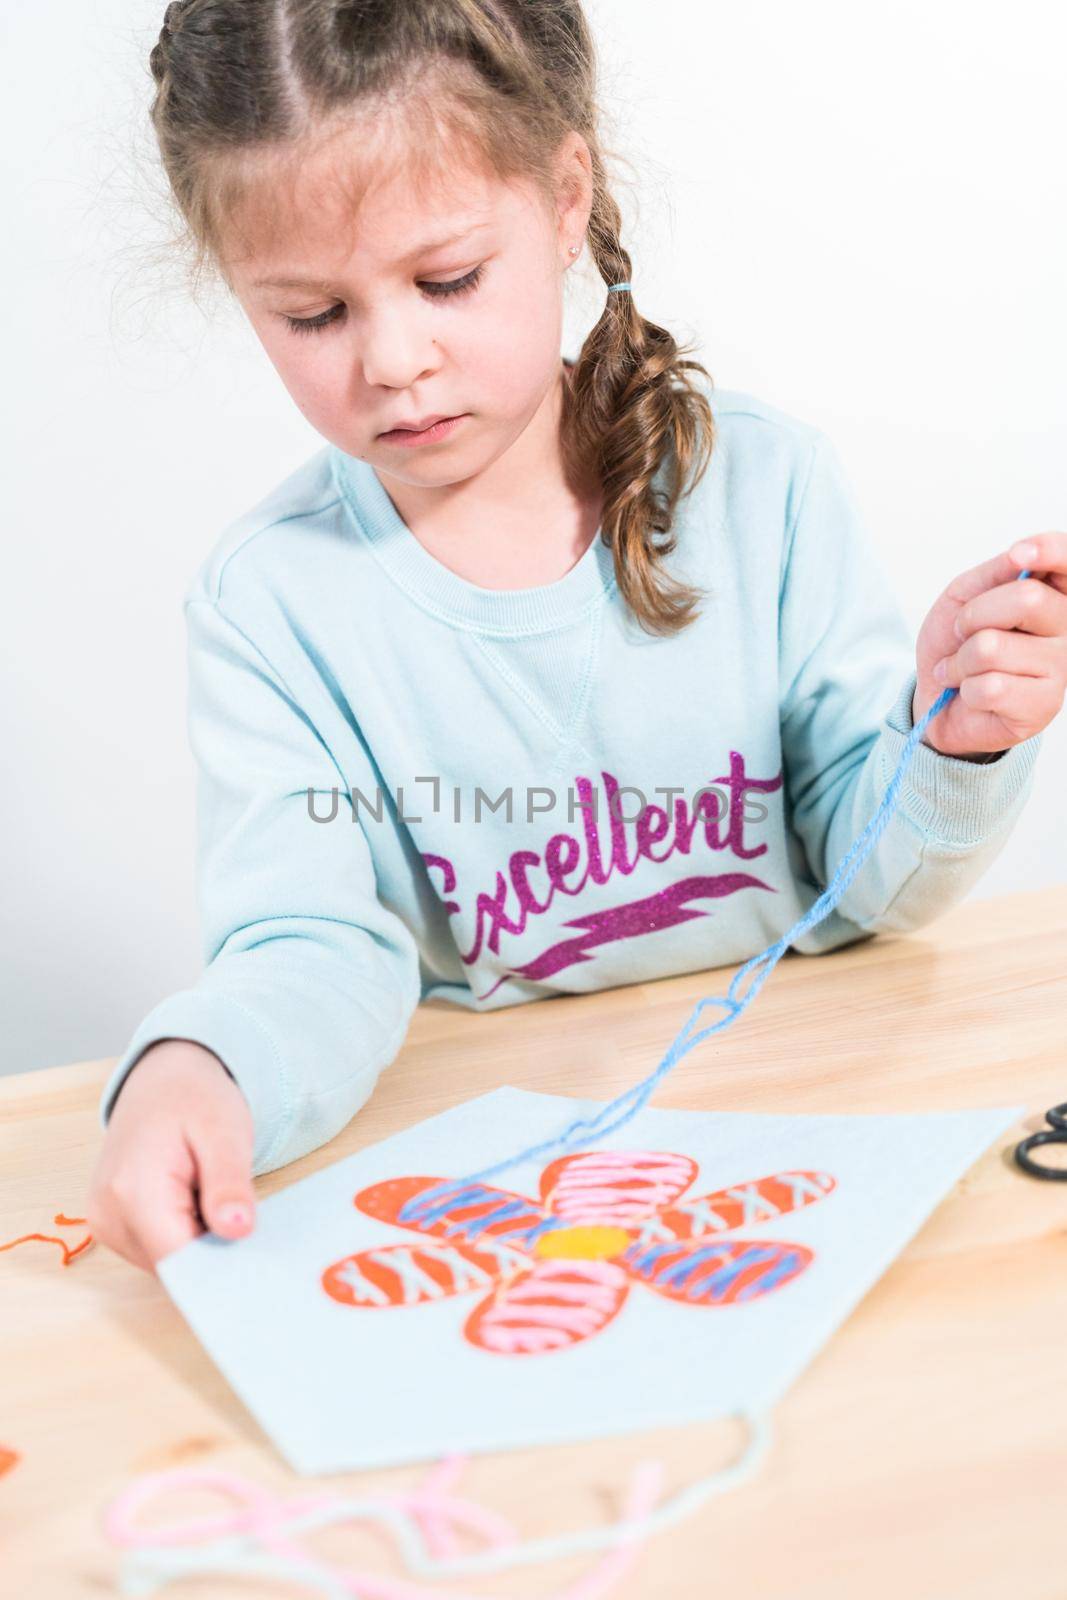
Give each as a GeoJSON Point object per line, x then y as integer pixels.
{"type": "Point", "coordinates": [396, 352]}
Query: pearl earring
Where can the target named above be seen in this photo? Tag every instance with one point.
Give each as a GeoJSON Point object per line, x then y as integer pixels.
{"type": "Point", "coordinates": [574, 249]}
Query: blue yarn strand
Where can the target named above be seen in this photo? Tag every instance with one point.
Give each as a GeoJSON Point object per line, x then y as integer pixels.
{"type": "Point", "coordinates": [619, 1111]}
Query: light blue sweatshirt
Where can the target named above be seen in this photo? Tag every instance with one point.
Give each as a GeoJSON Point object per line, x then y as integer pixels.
{"type": "Point", "coordinates": [414, 787]}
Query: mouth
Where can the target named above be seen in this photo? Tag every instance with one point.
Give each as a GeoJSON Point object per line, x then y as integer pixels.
{"type": "Point", "coordinates": [439, 429]}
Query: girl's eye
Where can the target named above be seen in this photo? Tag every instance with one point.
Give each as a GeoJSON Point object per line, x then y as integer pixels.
{"type": "Point", "coordinates": [456, 285]}
{"type": "Point", "coordinates": [310, 324]}
{"type": "Point", "coordinates": [435, 290]}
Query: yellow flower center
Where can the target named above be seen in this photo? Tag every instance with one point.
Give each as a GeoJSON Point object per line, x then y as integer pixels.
{"type": "Point", "coordinates": [590, 1243]}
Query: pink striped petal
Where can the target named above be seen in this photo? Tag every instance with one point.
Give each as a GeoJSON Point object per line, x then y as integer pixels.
{"type": "Point", "coordinates": [615, 1187]}
{"type": "Point", "coordinates": [554, 1305]}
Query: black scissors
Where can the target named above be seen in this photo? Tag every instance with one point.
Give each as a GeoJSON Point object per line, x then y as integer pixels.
{"type": "Point", "coordinates": [1055, 1133]}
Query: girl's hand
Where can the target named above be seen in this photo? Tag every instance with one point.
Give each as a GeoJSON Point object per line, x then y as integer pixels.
{"type": "Point", "coordinates": [1002, 642]}
{"type": "Point", "coordinates": [176, 1157]}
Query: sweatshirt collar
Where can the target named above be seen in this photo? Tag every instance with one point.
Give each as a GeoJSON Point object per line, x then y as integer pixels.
{"type": "Point", "coordinates": [443, 592]}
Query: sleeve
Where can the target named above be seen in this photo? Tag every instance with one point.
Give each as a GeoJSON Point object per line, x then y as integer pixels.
{"type": "Point", "coordinates": [846, 681]}
{"type": "Point", "coordinates": [310, 981]}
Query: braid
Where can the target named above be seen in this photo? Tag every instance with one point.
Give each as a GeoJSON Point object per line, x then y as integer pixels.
{"type": "Point", "coordinates": [634, 408]}
{"type": "Point", "coordinates": [159, 55]}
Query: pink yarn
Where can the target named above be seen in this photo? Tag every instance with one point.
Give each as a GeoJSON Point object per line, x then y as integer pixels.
{"type": "Point", "coordinates": [438, 1515]}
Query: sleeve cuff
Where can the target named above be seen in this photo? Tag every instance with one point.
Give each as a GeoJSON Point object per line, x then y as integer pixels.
{"type": "Point", "coordinates": [223, 1025]}
{"type": "Point", "coordinates": [952, 800]}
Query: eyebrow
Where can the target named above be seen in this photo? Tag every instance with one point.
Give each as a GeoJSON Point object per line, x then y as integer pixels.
{"type": "Point", "coordinates": [424, 249]}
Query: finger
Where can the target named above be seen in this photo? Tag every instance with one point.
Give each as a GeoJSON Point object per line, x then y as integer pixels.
{"type": "Point", "coordinates": [994, 650]}
{"type": "Point", "coordinates": [125, 1226]}
{"type": "Point", "coordinates": [224, 1164]}
{"type": "Point", "coordinates": [1029, 605]}
{"type": "Point", "coordinates": [127, 1245]}
{"type": "Point", "coordinates": [165, 1220]}
{"type": "Point", "coordinates": [1044, 552]}
{"type": "Point", "coordinates": [987, 575]}
{"type": "Point", "coordinates": [112, 1232]}
{"type": "Point", "coordinates": [1020, 703]}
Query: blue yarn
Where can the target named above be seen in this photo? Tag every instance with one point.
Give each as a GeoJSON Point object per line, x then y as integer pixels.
{"type": "Point", "coordinates": [619, 1111]}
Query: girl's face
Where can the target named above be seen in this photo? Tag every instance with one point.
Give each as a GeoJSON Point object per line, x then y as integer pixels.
{"type": "Point", "coordinates": [417, 307]}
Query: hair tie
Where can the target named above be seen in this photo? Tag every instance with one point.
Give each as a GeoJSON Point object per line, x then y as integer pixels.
{"type": "Point", "coordinates": [618, 286]}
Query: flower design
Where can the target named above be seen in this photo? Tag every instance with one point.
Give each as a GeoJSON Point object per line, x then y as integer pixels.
{"type": "Point", "coordinates": [559, 1270]}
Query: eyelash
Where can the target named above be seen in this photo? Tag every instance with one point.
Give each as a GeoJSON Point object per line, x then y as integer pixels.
{"type": "Point", "coordinates": [436, 291]}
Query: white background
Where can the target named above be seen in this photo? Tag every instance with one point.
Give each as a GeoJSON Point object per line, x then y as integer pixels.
{"type": "Point", "coordinates": [856, 211]}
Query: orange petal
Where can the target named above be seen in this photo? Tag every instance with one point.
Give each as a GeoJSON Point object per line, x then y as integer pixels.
{"type": "Point", "coordinates": [411, 1274]}
{"type": "Point", "coordinates": [474, 1214]}
{"type": "Point", "coordinates": [744, 1204]}
{"type": "Point", "coordinates": [723, 1272]}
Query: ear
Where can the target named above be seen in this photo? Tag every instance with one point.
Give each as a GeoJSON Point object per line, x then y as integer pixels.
{"type": "Point", "coordinates": [574, 191]}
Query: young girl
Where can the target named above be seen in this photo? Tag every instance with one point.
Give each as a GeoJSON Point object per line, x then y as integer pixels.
{"type": "Point", "coordinates": [541, 676]}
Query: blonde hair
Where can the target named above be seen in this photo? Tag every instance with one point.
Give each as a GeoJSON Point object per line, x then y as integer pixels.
{"type": "Point", "coordinates": [498, 84]}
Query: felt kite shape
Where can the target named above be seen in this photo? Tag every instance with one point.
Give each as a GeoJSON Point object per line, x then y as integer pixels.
{"type": "Point", "coordinates": [369, 1363]}
{"type": "Point", "coordinates": [560, 1269]}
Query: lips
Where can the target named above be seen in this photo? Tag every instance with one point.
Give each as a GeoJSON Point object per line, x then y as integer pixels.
{"type": "Point", "coordinates": [414, 438]}
{"type": "Point", "coordinates": [420, 426]}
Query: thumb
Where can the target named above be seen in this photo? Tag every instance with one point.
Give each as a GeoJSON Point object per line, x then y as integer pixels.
{"type": "Point", "coordinates": [227, 1200]}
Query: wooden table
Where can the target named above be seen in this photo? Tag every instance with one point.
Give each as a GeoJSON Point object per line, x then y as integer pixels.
{"type": "Point", "coordinates": [924, 1452]}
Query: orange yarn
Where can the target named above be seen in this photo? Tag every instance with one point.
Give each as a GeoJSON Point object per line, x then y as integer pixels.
{"type": "Point", "coordinates": [50, 1238]}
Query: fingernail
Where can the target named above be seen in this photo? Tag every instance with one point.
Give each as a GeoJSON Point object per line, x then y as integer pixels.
{"type": "Point", "coordinates": [235, 1216]}
{"type": "Point", "coordinates": [1025, 554]}
{"type": "Point", "coordinates": [941, 671]}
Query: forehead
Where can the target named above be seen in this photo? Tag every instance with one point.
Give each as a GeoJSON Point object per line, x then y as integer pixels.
{"type": "Point", "coordinates": [383, 187]}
